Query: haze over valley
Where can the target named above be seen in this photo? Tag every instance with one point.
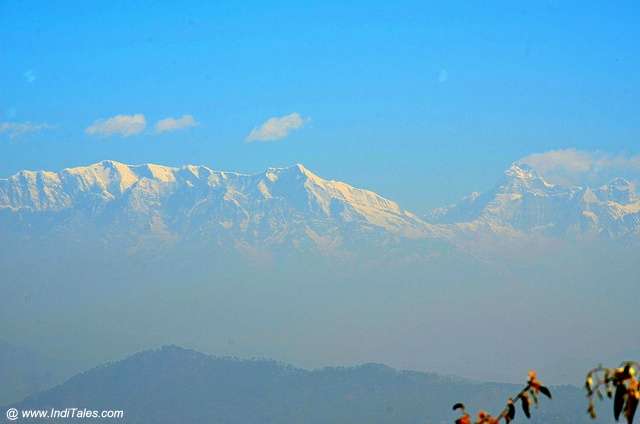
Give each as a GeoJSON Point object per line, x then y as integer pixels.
{"type": "Point", "coordinates": [338, 211]}
{"type": "Point", "coordinates": [109, 259]}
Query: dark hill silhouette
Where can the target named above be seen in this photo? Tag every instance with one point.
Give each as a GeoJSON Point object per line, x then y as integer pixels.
{"type": "Point", "coordinates": [172, 384]}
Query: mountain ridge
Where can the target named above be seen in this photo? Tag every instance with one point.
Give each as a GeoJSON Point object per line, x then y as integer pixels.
{"type": "Point", "coordinates": [284, 265]}
{"type": "Point", "coordinates": [287, 207]}
{"type": "Point", "coordinates": [523, 202]}
{"type": "Point", "coordinates": [291, 209]}
{"type": "Point", "coordinates": [173, 384]}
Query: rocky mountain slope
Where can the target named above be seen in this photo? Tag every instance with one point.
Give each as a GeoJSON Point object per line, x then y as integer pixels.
{"type": "Point", "coordinates": [151, 206]}
{"type": "Point", "coordinates": [281, 211]}
{"type": "Point", "coordinates": [522, 202]}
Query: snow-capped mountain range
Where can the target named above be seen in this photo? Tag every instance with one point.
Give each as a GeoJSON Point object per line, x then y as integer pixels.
{"type": "Point", "coordinates": [289, 265]}
{"type": "Point", "coordinates": [522, 202]}
{"type": "Point", "coordinates": [150, 206]}
{"type": "Point", "coordinates": [291, 209]}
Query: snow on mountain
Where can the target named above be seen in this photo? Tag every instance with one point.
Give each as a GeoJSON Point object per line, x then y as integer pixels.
{"type": "Point", "coordinates": [522, 202]}
{"type": "Point", "coordinates": [284, 210]}
{"type": "Point", "coordinates": [151, 205]}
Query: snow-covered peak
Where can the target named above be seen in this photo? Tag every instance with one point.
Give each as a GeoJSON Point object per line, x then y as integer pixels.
{"type": "Point", "coordinates": [522, 201]}
{"type": "Point", "coordinates": [619, 191]}
{"type": "Point", "coordinates": [145, 188]}
{"type": "Point", "coordinates": [295, 171]}
{"type": "Point", "coordinates": [312, 194]}
{"type": "Point", "coordinates": [299, 168]}
{"type": "Point", "coordinates": [110, 176]}
{"type": "Point", "coordinates": [155, 172]}
{"type": "Point", "coordinates": [520, 178]}
{"type": "Point", "coordinates": [586, 195]}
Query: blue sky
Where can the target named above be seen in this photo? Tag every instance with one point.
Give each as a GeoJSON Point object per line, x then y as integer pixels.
{"type": "Point", "coordinates": [420, 101]}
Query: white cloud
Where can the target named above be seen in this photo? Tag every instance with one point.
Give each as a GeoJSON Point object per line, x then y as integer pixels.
{"type": "Point", "coordinates": [16, 129]}
{"type": "Point", "coordinates": [277, 128]}
{"type": "Point", "coordinates": [571, 166]}
{"type": "Point", "coordinates": [171, 124]}
{"type": "Point", "coordinates": [121, 124]}
{"type": "Point", "coordinates": [570, 160]}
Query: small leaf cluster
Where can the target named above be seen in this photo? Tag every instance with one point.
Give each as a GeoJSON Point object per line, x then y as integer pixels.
{"type": "Point", "coordinates": [526, 397]}
{"type": "Point", "coordinates": [619, 384]}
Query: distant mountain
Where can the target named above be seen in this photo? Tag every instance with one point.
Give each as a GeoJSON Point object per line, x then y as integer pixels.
{"type": "Point", "coordinates": [102, 260]}
{"type": "Point", "coordinates": [284, 212]}
{"type": "Point", "coordinates": [172, 385]}
{"type": "Point", "coordinates": [261, 216]}
{"type": "Point", "coordinates": [522, 202]}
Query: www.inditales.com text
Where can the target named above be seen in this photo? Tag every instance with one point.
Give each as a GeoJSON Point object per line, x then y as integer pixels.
{"type": "Point", "coordinates": [13, 414]}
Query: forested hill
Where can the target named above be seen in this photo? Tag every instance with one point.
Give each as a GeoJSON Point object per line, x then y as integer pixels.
{"type": "Point", "coordinates": [171, 384]}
